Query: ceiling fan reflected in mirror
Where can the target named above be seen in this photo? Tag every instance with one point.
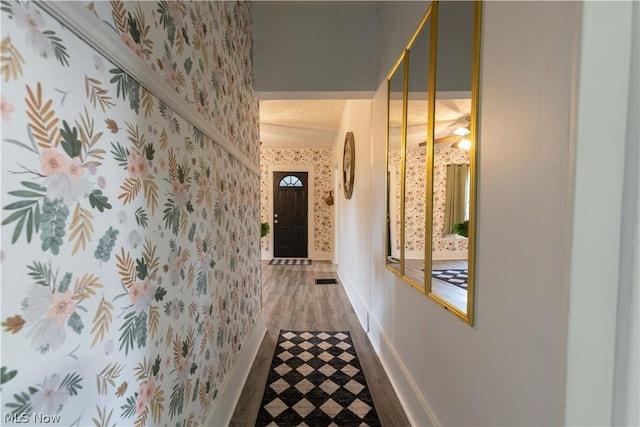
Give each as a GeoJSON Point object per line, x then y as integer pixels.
{"type": "Point", "coordinates": [458, 136]}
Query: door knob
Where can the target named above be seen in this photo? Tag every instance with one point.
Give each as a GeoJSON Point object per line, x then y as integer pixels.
{"type": "Point", "coordinates": [275, 215]}
{"type": "Point", "coordinates": [275, 221]}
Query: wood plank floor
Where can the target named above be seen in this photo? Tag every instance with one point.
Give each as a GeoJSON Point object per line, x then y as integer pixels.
{"type": "Point", "coordinates": [291, 300]}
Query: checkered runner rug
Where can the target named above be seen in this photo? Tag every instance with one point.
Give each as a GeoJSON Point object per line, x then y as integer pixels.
{"type": "Point", "coordinates": [316, 380]}
{"type": "Point", "coordinates": [455, 277]}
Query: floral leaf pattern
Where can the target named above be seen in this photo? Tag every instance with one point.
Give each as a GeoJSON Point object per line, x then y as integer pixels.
{"type": "Point", "coordinates": [11, 65]}
{"type": "Point", "coordinates": [131, 235]}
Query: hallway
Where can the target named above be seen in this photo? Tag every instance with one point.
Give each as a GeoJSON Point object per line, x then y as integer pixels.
{"type": "Point", "coordinates": [291, 300]}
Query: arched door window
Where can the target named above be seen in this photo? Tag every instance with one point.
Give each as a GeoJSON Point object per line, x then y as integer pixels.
{"type": "Point", "coordinates": [290, 181]}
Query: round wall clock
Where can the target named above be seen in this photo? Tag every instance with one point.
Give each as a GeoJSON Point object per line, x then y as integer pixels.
{"type": "Point", "coordinates": [348, 164]}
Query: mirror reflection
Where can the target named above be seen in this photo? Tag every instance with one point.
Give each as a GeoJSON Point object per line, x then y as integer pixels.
{"type": "Point", "coordinates": [453, 150]}
{"type": "Point", "coordinates": [394, 166]}
{"type": "Point", "coordinates": [415, 178]}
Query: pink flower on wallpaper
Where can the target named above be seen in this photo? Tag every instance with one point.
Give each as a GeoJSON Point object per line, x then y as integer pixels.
{"type": "Point", "coordinates": [137, 165]}
{"type": "Point", "coordinates": [128, 41]}
{"type": "Point", "coordinates": [52, 161]}
{"type": "Point", "coordinates": [180, 192]}
{"type": "Point", "coordinates": [145, 394]}
{"type": "Point", "coordinates": [74, 170]}
{"type": "Point", "coordinates": [47, 313]}
{"type": "Point", "coordinates": [141, 294]}
{"type": "Point", "coordinates": [28, 16]}
{"type": "Point", "coordinates": [50, 399]}
{"type": "Point", "coordinates": [6, 110]}
{"type": "Point", "coordinates": [62, 306]}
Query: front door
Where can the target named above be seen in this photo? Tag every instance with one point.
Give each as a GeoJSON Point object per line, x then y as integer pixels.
{"type": "Point", "coordinates": [290, 197]}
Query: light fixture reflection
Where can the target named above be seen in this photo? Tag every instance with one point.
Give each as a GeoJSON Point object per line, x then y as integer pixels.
{"type": "Point", "coordinates": [464, 144]}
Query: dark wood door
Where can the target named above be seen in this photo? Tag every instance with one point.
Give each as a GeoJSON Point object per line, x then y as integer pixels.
{"type": "Point", "coordinates": [290, 198]}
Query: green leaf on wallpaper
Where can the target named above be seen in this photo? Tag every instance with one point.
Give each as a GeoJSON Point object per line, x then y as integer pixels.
{"type": "Point", "coordinates": [6, 375]}
{"type": "Point", "coordinates": [196, 386]}
{"type": "Point", "coordinates": [106, 244]}
{"type": "Point", "coordinates": [141, 329]}
{"type": "Point", "coordinates": [75, 323]}
{"type": "Point", "coordinates": [149, 151]}
{"type": "Point", "coordinates": [188, 64]}
{"type": "Point", "coordinates": [133, 28]}
{"type": "Point", "coordinates": [192, 232]}
{"type": "Point", "coordinates": [176, 402]}
{"type": "Point", "coordinates": [160, 293]}
{"type": "Point", "coordinates": [27, 212]}
{"type": "Point", "coordinates": [72, 383]}
{"type": "Point", "coordinates": [171, 216]}
{"type": "Point", "coordinates": [128, 328]}
{"type": "Point", "coordinates": [70, 141]}
{"type": "Point", "coordinates": [129, 408]}
{"type": "Point", "coordinates": [201, 283]}
{"type": "Point", "coordinates": [194, 368]}
{"type": "Point", "coordinates": [40, 273]}
{"type": "Point", "coordinates": [22, 404]}
{"type": "Point", "coordinates": [198, 136]}
{"type": "Point", "coordinates": [120, 154]}
{"type": "Point", "coordinates": [99, 201]}
{"type": "Point", "coordinates": [6, 7]}
{"type": "Point", "coordinates": [141, 217]}
{"type": "Point", "coordinates": [133, 90]}
{"type": "Point", "coordinates": [58, 48]}
{"type": "Point", "coordinates": [52, 223]}
{"type": "Point", "coordinates": [64, 283]}
{"type": "Point", "coordinates": [185, 35]}
{"type": "Point", "coordinates": [120, 78]}
{"type": "Point", "coordinates": [141, 268]}
{"type": "Point", "coordinates": [156, 366]}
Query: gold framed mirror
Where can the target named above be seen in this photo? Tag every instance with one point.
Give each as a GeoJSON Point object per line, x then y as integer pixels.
{"type": "Point", "coordinates": [432, 155]}
{"type": "Point", "coordinates": [453, 158]}
{"type": "Point", "coordinates": [395, 134]}
{"type": "Point", "coordinates": [415, 155]}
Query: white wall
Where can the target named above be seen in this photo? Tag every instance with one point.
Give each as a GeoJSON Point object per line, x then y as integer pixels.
{"type": "Point", "coordinates": [354, 215]}
{"type": "Point", "coordinates": [510, 368]}
{"type": "Point", "coordinates": [603, 310]}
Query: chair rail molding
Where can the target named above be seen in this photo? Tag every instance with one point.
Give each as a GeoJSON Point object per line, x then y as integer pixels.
{"type": "Point", "coordinates": [79, 20]}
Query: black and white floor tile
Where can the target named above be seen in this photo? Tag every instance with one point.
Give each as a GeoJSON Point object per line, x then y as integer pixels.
{"type": "Point", "coordinates": [316, 380]}
{"type": "Point", "coordinates": [455, 277]}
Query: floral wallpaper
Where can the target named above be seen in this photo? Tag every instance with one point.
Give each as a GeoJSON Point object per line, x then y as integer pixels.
{"type": "Point", "coordinates": [130, 255]}
{"type": "Point", "coordinates": [415, 186]}
{"type": "Point", "coordinates": [444, 157]}
{"type": "Point", "coordinates": [414, 207]}
{"type": "Point", "coordinates": [188, 44]}
{"type": "Point", "coordinates": [320, 160]}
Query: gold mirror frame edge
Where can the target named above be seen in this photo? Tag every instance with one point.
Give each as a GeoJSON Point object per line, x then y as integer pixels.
{"type": "Point", "coordinates": [469, 316]}
{"type": "Point", "coordinates": [425, 289]}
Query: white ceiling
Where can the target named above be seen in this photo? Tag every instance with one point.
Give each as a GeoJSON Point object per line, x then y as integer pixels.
{"type": "Point", "coordinates": [307, 123]}
{"type": "Point", "coordinates": [313, 123]}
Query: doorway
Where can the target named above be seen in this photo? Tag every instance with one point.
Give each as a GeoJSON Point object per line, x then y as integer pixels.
{"type": "Point", "coordinates": [290, 214]}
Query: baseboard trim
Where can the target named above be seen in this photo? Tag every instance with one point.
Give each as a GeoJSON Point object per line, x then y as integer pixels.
{"type": "Point", "coordinates": [413, 402]}
{"type": "Point", "coordinates": [360, 307]}
{"type": "Point", "coordinates": [222, 410]}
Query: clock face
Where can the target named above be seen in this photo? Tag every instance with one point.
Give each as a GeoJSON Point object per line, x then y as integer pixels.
{"type": "Point", "coordinates": [348, 164]}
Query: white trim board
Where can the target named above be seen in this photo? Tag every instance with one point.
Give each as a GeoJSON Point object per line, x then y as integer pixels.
{"type": "Point", "coordinates": [222, 410]}
{"type": "Point", "coordinates": [79, 20]}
